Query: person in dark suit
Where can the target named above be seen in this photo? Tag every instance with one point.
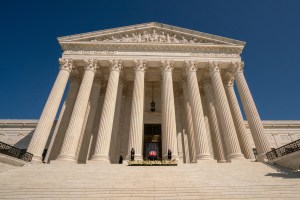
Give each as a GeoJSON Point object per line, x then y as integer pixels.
{"type": "Point", "coordinates": [132, 154]}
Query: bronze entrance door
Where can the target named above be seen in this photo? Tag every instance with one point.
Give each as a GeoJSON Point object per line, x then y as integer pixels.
{"type": "Point", "coordinates": [152, 139]}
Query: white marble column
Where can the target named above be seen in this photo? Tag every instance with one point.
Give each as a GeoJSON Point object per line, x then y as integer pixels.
{"type": "Point", "coordinates": [237, 116]}
{"type": "Point", "coordinates": [169, 140]}
{"type": "Point", "coordinates": [186, 147]}
{"type": "Point", "coordinates": [137, 111]}
{"type": "Point", "coordinates": [213, 119]}
{"type": "Point", "coordinates": [101, 153]}
{"type": "Point", "coordinates": [69, 147]}
{"type": "Point", "coordinates": [230, 137]}
{"type": "Point", "coordinates": [63, 119]}
{"type": "Point", "coordinates": [189, 124]}
{"type": "Point", "coordinates": [209, 137]}
{"type": "Point", "coordinates": [42, 131]}
{"type": "Point", "coordinates": [256, 127]}
{"type": "Point", "coordinates": [86, 131]}
{"type": "Point", "coordinates": [203, 151]}
{"type": "Point", "coordinates": [114, 147]}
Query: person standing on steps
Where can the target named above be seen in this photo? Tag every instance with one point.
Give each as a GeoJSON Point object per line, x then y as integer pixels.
{"type": "Point", "coordinates": [132, 154]}
{"type": "Point", "coordinates": [169, 154]}
{"type": "Point", "coordinates": [121, 159]}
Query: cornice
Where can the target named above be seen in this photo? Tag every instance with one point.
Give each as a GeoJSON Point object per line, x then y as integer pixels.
{"type": "Point", "coordinates": [149, 53]}
{"type": "Point", "coordinates": [131, 46]}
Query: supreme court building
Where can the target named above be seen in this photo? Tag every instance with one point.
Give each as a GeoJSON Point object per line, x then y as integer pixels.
{"type": "Point", "coordinates": [149, 87]}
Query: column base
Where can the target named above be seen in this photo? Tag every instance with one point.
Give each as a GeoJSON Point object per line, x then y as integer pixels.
{"type": "Point", "coordinates": [239, 161]}
{"type": "Point", "coordinates": [235, 156]}
{"type": "Point", "coordinates": [36, 160]}
{"type": "Point", "coordinates": [67, 158]}
{"type": "Point", "coordinates": [222, 161]}
{"type": "Point", "coordinates": [262, 158]}
{"type": "Point", "coordinates": [99, 159]}
{"type": "Point", "coordinates": [204, 157]}
{"type": "Point", "coordinates": [63, 162]}
{"type": "Point", "coordinates": [206, 161]}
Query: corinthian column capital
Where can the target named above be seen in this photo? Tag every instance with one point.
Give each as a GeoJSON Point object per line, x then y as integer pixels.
{"type": "Point", "coordinates": [66, 64]}
{"type": "Point", "coordinates": [237, 67]}
{"type": "Point", "coordinates": [91, 64]}
{"type": "Point", "coordinates": [140, 65]}
{"type": "Point", "coordinates": [167, 65]}
{"type": "Point", "coordinates": [214, 66]}
{"type": "Point", "coordinates": [116, 65]}
{"type": "Point", "coordinates": [190, 66]}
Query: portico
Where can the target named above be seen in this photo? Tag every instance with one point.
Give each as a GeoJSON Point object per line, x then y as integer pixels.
{"type": "Point", "coordinates": [114, 75]}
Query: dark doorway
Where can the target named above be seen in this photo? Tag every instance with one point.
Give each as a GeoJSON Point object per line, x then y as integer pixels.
{"type": "Point", "coordinates": [152, 139]}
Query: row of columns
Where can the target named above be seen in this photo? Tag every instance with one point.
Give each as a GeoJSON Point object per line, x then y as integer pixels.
{"type": "Point", "coordinates": [223, 110]}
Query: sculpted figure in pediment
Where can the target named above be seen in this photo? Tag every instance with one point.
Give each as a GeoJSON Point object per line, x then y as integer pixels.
{"type": "Point", "coordinates": [154, 36]}
{"type": "Point", "coordinates": [162, 37]}
{"type": "Point", "coordinates": [183, 40]}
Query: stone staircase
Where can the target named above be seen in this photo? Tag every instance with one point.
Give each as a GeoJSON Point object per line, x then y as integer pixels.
{"type": "Point", "coordinates": [240, 180]}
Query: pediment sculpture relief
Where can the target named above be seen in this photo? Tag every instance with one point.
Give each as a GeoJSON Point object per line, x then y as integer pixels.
{"type": "Point", "coordinates": [154, 36]}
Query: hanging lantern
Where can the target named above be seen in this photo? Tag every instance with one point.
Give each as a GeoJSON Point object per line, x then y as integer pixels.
{"type": "Point", "coordinates": [152, 106]}
{"type": "Point", "coordinates": [152, 103]}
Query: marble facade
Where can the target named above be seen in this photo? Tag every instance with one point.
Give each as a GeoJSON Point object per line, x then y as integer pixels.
{"type": "Point", "coordinates": [115, 74]}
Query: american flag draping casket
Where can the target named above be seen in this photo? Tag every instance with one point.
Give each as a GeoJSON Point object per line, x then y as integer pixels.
{"type": "Point", "coordinates": [152, 153]}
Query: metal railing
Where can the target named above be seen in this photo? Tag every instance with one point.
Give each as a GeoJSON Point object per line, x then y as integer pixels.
{"type": "Point", "coordinates": [284, 150]}
{"type": "Point", "coordinates": [15, 152]}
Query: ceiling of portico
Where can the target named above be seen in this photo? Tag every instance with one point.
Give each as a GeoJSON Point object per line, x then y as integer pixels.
{"type": "Point", "coordinates": [150, 37]}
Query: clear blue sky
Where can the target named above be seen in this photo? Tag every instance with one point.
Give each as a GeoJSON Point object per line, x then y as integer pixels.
{"type": "Point", "coordinates": [29, 49]}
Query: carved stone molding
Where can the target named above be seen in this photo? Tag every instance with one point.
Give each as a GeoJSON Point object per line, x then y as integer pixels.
{"type": "Point", "coordinates": [116, 65]}
{"type": "Point", "coordinates": [91, 64]}
{"type": "Point", "coordinates": [140, 65]}
{"type": "Point", "coordinates": [66, 64]}
{"type": "Point", "coordinates": [167, 65]}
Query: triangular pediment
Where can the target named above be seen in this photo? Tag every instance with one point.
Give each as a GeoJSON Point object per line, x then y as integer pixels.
{"type": "Point", "coordinates": [150, 33]}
